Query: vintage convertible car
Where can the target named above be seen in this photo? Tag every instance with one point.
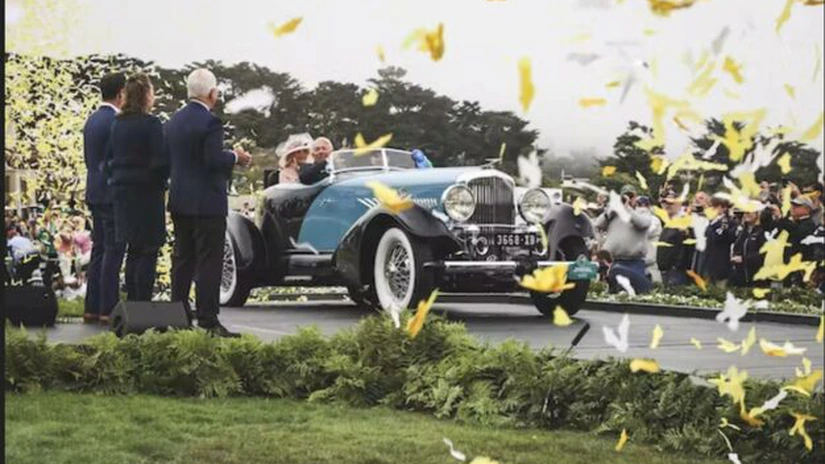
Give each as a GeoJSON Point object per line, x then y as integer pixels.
{"type": "Point", "coordinates": [470, 230]}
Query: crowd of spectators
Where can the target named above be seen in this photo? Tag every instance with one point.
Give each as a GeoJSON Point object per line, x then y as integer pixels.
{"type": "Point", "coordinates": [706, 239]}
{"type": "Point", "coordinates": [50, 248]}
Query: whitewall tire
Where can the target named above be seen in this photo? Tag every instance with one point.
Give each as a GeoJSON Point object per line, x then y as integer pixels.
{"type": "Point", "coordinates": [235, 288]}
{"type": "Point", "coordinates": [399, 278]}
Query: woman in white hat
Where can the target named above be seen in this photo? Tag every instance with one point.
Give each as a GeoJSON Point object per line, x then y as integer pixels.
{"type": "Point", "coordinates": [296, 151]}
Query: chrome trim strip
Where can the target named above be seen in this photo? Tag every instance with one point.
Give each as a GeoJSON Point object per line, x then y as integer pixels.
{"type": "Point", "coordinates": [450, 265]}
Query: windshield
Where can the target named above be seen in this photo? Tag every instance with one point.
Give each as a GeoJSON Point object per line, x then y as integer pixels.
{"type": "Point", "coordinates": [347, 159]}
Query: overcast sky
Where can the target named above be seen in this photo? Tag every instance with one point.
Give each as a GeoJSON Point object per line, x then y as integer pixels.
{"type": "Point", "coordinates": [484, 39]}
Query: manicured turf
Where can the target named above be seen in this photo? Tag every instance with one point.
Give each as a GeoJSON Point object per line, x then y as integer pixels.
{"type": "Point", "coordinates": [74, 428]}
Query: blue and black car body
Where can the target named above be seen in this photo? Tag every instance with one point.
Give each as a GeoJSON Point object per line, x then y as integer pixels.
{"type": "Point", "coordinates": [470, 230]}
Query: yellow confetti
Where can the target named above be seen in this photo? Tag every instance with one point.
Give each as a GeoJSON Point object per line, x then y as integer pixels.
{"type": "Point", "coordinates": [780, 272]}
{"type": "Point", "coordinates": [588, 102]}
{"type": "Point", "coordinates": [551, 279]}
{"type": "Point", "coordinates": [647, 365]}
{"type": "Point", "coordinates": [689, 241]}
{"type": "Point", "coordinates": [560, 317]}
{"type": "Point", "coordinates": [734, 69]}
{"type": "Point", "coordinates": [749, 341]}
{"type": "Point", "coordinates": [416, 323]}
{"type": "Point", "coordinates": [379, 50]}
{"type": "Point", "coordinates": [813, 131]}
{"type": "Point", "coordinates": [526, 89]}
{"type": "Point", "coordinates": [579, 205]}
{"type": "Point", "coordinates": [622, 440]}
{"type": "Point", "coordinates": [642, 180]}
{"type": "Point", "coordinates": [805, 384]}
{"type": "Point", "coordinates": [428, 41]}
{"type": "Point", "coordinates": [613, 84]}
{"type": "Point", "coordinates": [784, 163]}
{"type": "Point", "coordinates": [799, 427]}
{"type": "Point", "coordinates": [663, 244]}
{"type": "Point", "coordinates": [658, 164]}
{"type": "Point", "coordinates": [782, 351]}
{"type": "Point", "coordinates": [658, 333]}
{"type": "Point", "coordinates": [819, 333]}
{"type": "Point", "coordinates": [700, 282]}
{"type": "Point", "coordinates": [786, 201]}
{"type": "Point", "coordinates": [483, 460]}
{"type": "Point", "coordinates": [649, 32]}
{"type": "Point", "coordinates": [285, 28]}
{"type": "Point", "coordinates": [389, 198]}
{"type": "Point", "coordinates": [703, 82]}
{"type": "Point", "coordinates": [728, 346]}
{"type": "Point", "coordinates": [738, 142]}
{"type": "Point", "coordinates": [806, 368]}
{"type": "Point", "coordinates": [659, 105]}
{"type": "Point", "coordinates": [362, 147]}
{"type": "Point", "coordinates": [664, 7]}
{"type": "Point", "coordinates": [370, 98]}
{"type": "Point", "coordinates": [732, 384]}
{"type": "Point", "coordinates": [731, 94]}
{"type": "Point", "coordinates": [791, 91]}
{"type": "Point", "coordinates": [580, 38]}
{"type": "Point", "coordinates": [501, 151]}
{"type": "Point", "coordinates": [608, 171]}
{"type": "Point", "coordinates": [679, 222]}
{"type": "Point", "coordinates": [784, 15]}
{"type": "Point", "coordinates": [696, 343]}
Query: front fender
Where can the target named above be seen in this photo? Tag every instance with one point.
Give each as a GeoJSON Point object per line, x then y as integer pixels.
{"type": "Point", "coordinates": [355, 253]}
{"type": "Point", "coordinates": [249, 243]}
{"type": "Point", "coordinates": [564, 223]}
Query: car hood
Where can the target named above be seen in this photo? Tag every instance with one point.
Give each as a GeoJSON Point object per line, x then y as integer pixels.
{"type": "Point", "coordinates": [408, 179]}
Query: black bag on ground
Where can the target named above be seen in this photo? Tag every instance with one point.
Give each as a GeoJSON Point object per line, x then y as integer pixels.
{"type": "Point", "coordinates": [139, 316]}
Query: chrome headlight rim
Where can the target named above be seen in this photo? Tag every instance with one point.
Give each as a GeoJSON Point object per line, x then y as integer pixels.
{"type": "Point", "coordinates": [530, 216]}
{"type": "Point", "coordinates": [446, 203]}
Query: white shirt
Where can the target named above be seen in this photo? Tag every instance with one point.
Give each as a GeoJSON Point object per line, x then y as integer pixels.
{"type": "Point", "coordinates": [207, 109]}
{"type": "Point", "coordinates": [117, 110]}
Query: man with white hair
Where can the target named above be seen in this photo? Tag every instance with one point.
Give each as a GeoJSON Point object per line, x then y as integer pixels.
{"type": "Point", "coordinates": [312, 173]}
{"type": "Point", "coordinates": [199, 178]}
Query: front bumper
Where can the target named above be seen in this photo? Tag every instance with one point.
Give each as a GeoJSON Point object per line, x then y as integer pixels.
{"type": "Point", "coordinates": [475, 276]}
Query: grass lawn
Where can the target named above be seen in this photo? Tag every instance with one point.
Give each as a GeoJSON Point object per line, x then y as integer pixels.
{"type": "Point", "coordinates": [75, 428]}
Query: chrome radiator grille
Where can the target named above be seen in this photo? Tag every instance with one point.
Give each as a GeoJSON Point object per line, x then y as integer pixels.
{"type": "Point", "coordinates": [494, 201]}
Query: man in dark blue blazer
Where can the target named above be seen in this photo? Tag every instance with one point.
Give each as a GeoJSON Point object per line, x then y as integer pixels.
{"type": "Point", "coordinates": [102, 291]}
{"type": "Point", "coordinates": [199, 179]}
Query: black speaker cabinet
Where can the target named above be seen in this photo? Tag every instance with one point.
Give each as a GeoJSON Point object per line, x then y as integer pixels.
{"type": "Point", "coordinates": [135, 317]}
{"type": "Point", "coordinates": [30, 305]}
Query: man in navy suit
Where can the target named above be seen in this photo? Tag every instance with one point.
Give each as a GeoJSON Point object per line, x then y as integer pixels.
{"type": "Point", "coordinates": [107, 255]}
{"type": "Point", "coordinates": [199, 178]}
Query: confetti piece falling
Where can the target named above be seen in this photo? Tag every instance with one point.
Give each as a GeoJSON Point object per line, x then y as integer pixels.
{"type": "Point", "coordinates": [389, 198]}
{"type": "Point", "coordinates": [379, 50]}
{"type": "Point", "coordinates": [560, 317]}
{"type": "Point", "coordinates": [806, 383]}
{"type": "Point", "coordinates": [698, 280]}
{"type": "Point", "coordinates": [733, 311]}
{"type": "Point", "coordinates": [624, 282]}
{"type": "Point", "coordinates": [501, 151]}
{"type": "Point", "coordinates": [370, 98]}
{"type": "Point", "coordinates": [646, 365]}
{"type": "Point", "coordinates": [658, 333]}
{"type": "Point", "coordinates": [784, 163]}
{"type": "Point", "coordinates": [664, 7]}
{"type": "Point", "coordinates": [790, 90]}
{"type": "Point", "coordinates": [738, 142]}
{"type": "Point", "coordinates": [819, 333]}
{"type": "Point", "coordinates": [416, 323]}
{"type": "Point", "coordinates": [613, 84]}
{"type": "Point", "coordinates": [428, 41]}
{"type": "Point", "coordinates": [784, 15]}
{"type": "Point", "coordinates": [734, 69]}
{"type": "Point", "coordinates": [696, 343]}
{"type": "Point", "coordinates": [749, 341]}
{"type": "Point", "coordinates": [285, 28]}
{"type": "Point", "coordinates": [457, 455]}
{"type": "Point", "coordinates": [526, 88]}
{"type": "Point", "coordinates": [529, 170]}
{"type": "Point", "coordinates": [551, 279]}
{"type": "Point", "coordinates": [579, 205]}
{"type": "Point", "coordinates": [608, 171]}
{"type": "Point", "coordinates": [728, 346]}
{"type": "Point", "coordinates": [799, 427]}
{"type": "Point", "coordinates": [618, 338]}
{"type": "Point", "coordinates": [817, 62]}
{"type": "Point", "coordinates": [545, 242]}
{"type": "Point", "coordinates": [588, 102]}
{"type": "Point", "coordinates": [362, 147]}
{"type": "Point", "coordinates": [782, 351]}
{"type": "Point", "coordinates": [813, 132]}
{"type": "Point", "coordinates": [622, 441]}
{"type": "Point", "coordinates": [732, 384]}
{"type": "Point", "coordinates": [642, 180]}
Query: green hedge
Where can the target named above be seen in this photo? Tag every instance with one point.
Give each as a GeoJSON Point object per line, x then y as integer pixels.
{"type": "Point", "coordinates": [443, 371]}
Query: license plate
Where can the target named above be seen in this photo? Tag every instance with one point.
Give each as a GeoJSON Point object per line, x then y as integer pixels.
{"type": "Point", "coordinates": [515, 240]}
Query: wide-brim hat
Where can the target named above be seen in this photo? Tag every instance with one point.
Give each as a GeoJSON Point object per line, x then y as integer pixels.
{"type": "Point", "coordinates": [802, 200]}
{"type": "Point", "coordinates": [293, 144]}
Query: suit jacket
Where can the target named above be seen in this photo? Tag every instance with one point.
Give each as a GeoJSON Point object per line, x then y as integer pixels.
{"type": "Point", "coordinates": [312, 173]}
{"type": "Point", "coordinates": [136, 154]}
{"type": "Point", "coordinates": [720, 233]}
{"type": "Point", "coordinates": [200, 167]}
{"type": "Point", "coordinates": [95, 143]}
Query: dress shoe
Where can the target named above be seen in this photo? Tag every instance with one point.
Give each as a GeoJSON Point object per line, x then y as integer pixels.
{"type": "Point", "coordinates": [218, 330]}
{"type": "Point", "coordinates": [90, 318]}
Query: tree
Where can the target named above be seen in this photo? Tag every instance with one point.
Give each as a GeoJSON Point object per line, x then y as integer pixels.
{"type": "Point", "coordinates": [628, 159]}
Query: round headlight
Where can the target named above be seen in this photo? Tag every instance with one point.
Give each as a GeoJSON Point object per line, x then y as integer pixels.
{"type": "Point", "coordinates": [459, 203]}
{"type": "Point", "coordinates": [535, 206]}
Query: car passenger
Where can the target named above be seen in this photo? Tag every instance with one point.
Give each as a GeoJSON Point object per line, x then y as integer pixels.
{"type": "Point", "coordinates": [311, 173]}
{"type": "Point", "coordinates": [296, 153]}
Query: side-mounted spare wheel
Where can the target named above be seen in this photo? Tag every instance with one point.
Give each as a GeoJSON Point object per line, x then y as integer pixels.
{"type": "Point", "coordinates": [235, 285]}
{"type": "Point", "coordinates": [570, 300]}
{"type": "Point", "coordinates": [399, 279]}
